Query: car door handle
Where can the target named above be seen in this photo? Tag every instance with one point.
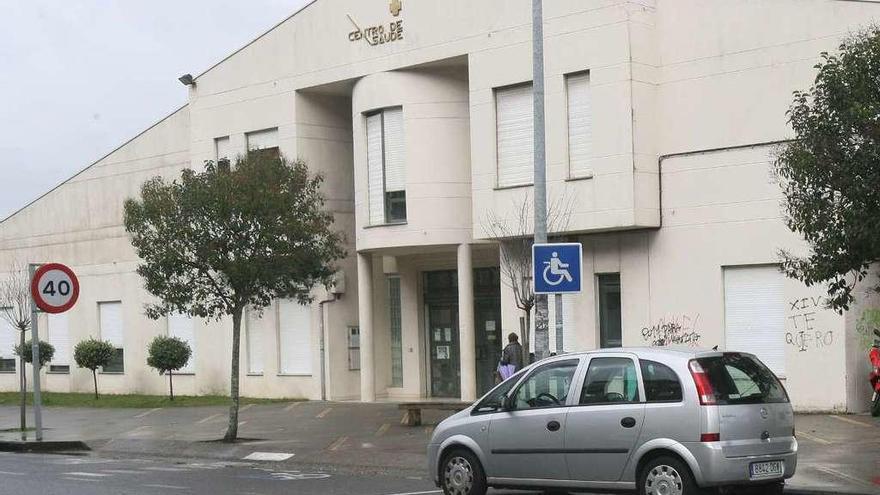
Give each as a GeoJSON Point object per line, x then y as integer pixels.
{"type": "Point", "coordinates": [628, 422]}
{"type": "Point", "coordinates": [553, 426]}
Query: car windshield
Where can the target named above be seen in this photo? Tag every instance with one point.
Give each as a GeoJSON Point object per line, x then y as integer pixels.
{"type": "Point", "coordinates": [492, 400]}
{"type": "Point", "coordinates": [742, 379]}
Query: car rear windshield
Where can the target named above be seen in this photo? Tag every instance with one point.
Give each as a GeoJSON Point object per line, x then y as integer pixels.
{"type": "Point", "coordinates": [742, 379]}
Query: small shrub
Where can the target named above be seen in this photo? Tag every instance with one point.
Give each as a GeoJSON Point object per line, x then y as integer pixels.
{"type": "Point", "coordinates": [93, 354]}
{"type": "Point", "coordinates": [167, 355]}
{"type": "Point", "coordinates": [47, 352]}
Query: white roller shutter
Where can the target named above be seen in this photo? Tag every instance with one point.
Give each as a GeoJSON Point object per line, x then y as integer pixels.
{"type": "Point", "coordinates": [8, 339]}
{"type": "Point", "coordinates": [111, 323]}
{"type": "Point", "coordinates": [295, 338]}
{"type": "Point", "coordinates": [580, 125]}
{"type": "Point", "coordinates": [222, 148]}
{"type": "Point", "coordinates": [376, 180]}
{"type": "Point", "coordinates": [515, 135]}
{"type": "Point", "coordinates": [395, 168]}
{"type": "Point", "coordinates": [568, 322]}
{"type": "Point", "coordinates": [183, 327]}
{"type": "Point", "coordinates": [754, 313]}
{"type": "Point", "coordinates": [254, 343]}
{"type": "Point", "coordinates": [59, 338]}
{"type": "Point", "coordinates": [261, 140]}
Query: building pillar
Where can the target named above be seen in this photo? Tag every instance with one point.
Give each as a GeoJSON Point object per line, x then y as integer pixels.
{"type": "Point", "coordinates": [365, 322]}
{"type": "Point", "coordinates": [466, 334]}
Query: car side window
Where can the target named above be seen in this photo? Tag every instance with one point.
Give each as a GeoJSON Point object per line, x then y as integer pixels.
{"type": "Point", "coordinates": [610, 380]}
{"type": "Point", "coordinates": [547, 386]}
{"type": "Point", "coordinates": [661, 383]}
{"type": "Point", "coordinates": [492, 401]}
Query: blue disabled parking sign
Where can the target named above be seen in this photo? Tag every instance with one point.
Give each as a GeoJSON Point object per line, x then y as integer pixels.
{"type": "Point", "coordinates": [557, 268]}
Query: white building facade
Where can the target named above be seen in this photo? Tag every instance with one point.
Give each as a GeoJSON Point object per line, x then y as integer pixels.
{"type": "Point", "coordinates": [662, 117]}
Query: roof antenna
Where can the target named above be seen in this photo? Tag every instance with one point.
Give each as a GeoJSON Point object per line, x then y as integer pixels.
{"type": "Point", "coordinates": [715, 348]}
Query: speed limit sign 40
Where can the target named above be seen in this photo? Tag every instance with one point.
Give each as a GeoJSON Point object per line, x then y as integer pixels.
{"type": "Point", "coordinates": [54, 288]}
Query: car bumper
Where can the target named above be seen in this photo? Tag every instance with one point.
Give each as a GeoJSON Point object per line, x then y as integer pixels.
{"type": "Point", "coordinates": [716, 469]}
{"type": "Point", "coordinates": [433, 470]}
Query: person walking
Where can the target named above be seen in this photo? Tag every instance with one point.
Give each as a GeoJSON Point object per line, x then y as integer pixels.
{"type": "Point", "coordinates": [512, 355]}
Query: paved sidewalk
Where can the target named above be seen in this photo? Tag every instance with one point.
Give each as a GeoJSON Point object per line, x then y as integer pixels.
{"type": "Point", "coordinates": [839, 454]}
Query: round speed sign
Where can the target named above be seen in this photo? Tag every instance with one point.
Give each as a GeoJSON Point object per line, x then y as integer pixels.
{"type": "Point", "coordinates": [54, 288]}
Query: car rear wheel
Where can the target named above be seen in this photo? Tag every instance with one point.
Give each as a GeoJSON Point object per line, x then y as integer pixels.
{"type": "Point", "coordinates": [666, 476]}
{"type": "Point", "coordinates": [462, 474]}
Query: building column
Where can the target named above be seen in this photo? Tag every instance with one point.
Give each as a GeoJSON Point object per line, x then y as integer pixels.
{"type": "Point", "coordinates": [365, 322]}
{"type": "Point", "coordinates": [466, 334]}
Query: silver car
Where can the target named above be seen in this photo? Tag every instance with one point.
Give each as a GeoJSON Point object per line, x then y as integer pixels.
{"type": "Point", "coordinates": [657, 420]}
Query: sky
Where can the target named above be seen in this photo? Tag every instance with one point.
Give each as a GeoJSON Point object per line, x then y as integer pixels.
{"type": "Point", "coordinates": [79, 78]}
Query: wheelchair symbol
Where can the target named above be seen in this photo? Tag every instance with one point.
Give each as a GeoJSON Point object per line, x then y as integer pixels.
{"type": "Point", "coordinates": [557, 270]}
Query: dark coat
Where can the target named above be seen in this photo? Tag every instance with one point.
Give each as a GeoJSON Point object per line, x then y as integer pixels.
{"type": "Point", "coordinates": [513, 354]}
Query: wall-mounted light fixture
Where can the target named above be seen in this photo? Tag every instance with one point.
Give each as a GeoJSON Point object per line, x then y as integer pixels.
{"type": "Point", "coordinates": [187, 80]}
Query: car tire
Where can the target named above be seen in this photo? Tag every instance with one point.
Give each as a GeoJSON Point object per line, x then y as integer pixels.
{"type": "Point", "coordinates": [462, 474]}
{"type": "Point", "coordinates": [667, 475]}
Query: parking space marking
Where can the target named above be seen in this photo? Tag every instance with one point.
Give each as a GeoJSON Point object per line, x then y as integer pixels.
{"type": "Point", "coordinates": [845, 476]}
{"type": "Point", "coordinates": [168, 487]}
{"type": "Point", "coordinates": [242, 423]}
{"type": "Point", "coordinates": [90, 480]}
{"type": "Point", "coordinates": [268, 456]}
{"type": "Point", "coordinates": [246, 407]}
{"type": "Point", "coordinates": [324, 413]}
{"type": "Point", "coordinates": [416, 493]}
{"type": "Point", "coordinates": [10, 473]}
{"type": "Point", "coordinates": [382, 429]}
{"type": "Point", "coordinates": [167, 469]}
{"type": "Point", "coordinates": [851, 421]}
{"type": "Point", "coordinates": [147, 413]}
{"type": "Point", "coordinates": [82, 473]}
{"type": "Point", "coordinates": [338, 443]}
{"type": "Point", "coordinates": [122, 471]}
{"type": "Point", "coordinates": [813, 438]}
{"type": "Point", "coordinates": [290, 407]}
{"type": "Point", "coordinates": [209, 418]}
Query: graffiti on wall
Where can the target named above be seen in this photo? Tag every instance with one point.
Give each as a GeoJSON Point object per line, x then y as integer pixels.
{"type": "Point", "coordinates": [675, 330]}
{"type": "Point", "coordinates": [805, 333]}
{"type": "Point", "coordinates": [868, 322]}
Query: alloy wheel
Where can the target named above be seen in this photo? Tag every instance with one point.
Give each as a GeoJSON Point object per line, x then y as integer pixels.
{"type": "Point", "coordinates": [458, 476]}
{"type": "Point", "coordinates": [663, 480]}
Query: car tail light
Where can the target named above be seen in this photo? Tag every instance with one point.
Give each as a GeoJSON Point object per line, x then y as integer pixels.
{"type": "Point", "coordinates": [704, 386]}
{"type": "Point", "coordinates": [710, 437]}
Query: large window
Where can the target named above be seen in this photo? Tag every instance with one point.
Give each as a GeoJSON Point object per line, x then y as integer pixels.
{"type": "Point", "coordinates": [754, 313]}
{"type": "Point", "coordinates": [514, 121]}
{"type": "Point", "coordinates": [580, 125]}
{"type": "Point", "coordinates": [548, 386]}
{"type": "Point", "coordinates": [661, 382]}
{"type": "Point", "coordinates": [386, 167]}
{"type": "Point", "coordinates": [254, 343]}
{"type": "Point", "coordinates": [8, 339]}
{"type": "Point", "coordinates": [59, 336]}
{"type": "Point", "coordinates": [394, 320]}
{"type": "Point", "coordinates": [610, 380]}
{"type": "Point", "coordinates": [265, 141]}
{"type": "Point", "coordinates": [112, 331]}
{"type": "Point", "coordinates": [610, 334]}
{"type": "Point", "coordinates": [183, 327]}
{"type": "Point", "coordinates": [354, 348]}
{"type": "Point", "coordinates": [294, 338]}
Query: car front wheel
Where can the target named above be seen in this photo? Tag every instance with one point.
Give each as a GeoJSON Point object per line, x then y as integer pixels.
{"type": "Point", "coordinates": [666, 476]}
{"type": "Point", "coordinates": [462, 474]}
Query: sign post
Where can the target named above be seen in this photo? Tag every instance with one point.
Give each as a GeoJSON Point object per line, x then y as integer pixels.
{"type": "Point", "coordinates": [557, 269]}
{"type": "Point", "coordinates": [54, 289]}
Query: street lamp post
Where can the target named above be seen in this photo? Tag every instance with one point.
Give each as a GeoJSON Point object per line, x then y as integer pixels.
{"type": "Point", "coordinates": [542, 334]}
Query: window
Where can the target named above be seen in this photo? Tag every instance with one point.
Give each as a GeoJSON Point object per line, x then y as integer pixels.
{"type": "Point", "coordinates": [562, 321]}
{"type": "Point", "coordinates": [610, 380]}
{"type": "Point", "coordinates": [58, 335]}
{"type": "Point", "coordinates": [661, 383]}
{"type": "Point", "coordinates": [609, 310]}
{"type": "Point", "coordinates": [254, 343]}
{"type": "Point", "coordinates": [354, 348]}
{"type": "Point", "coordinates": [394, 320]}
{"type": "Point", "coordinates": [386, 167]}
{"type": "Point", "coordinates": [222, 149]}
{"type": "Point", "coordinates": [294, 338]}
{"type": "Point", "coordinates": [183, 327]}
{"type": "Point", "coordinates": [265, 141]}
{"type": "Point", "coordinates": [514, 128]}
{"type": "Point", "coordinates": [580, 125]}
{"type": "Point", "coordinates": [548, 386]}
{"type": "Point", "coordinates": [754, 314]}
{"type": "Point", "coordinates": [740, 379]}
{"type": "Point", "coordinates": [112, 331]}
{"type": "Point", "coordinates": [493, 400]}
{"type": "Point", "coordinates": [8, 339]}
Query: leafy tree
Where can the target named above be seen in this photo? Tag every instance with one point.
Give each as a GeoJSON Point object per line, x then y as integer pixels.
{"type": "Point", "coordinates": [15, 309]}
{"type": "Point", "coordinates": [93, 354]}
{"type": "Point", "coordinates": [167, 355]}
{"type": "Point", "coordinates": [830, 172]}
{"type": "Point", "coordinates": [25, 352]}
{"type": "Point", "coordinates": [213, 243]}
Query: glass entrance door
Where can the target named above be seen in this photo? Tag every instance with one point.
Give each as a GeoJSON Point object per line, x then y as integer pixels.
{"type": "Point", "coordinates": [444, 349]}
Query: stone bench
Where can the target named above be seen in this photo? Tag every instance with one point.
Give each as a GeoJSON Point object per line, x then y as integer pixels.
{"type": "Point", "coordinates": [413, 414]}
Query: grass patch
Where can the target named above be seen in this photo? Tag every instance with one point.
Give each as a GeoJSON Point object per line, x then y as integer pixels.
{"type": "Point", "coordinates": [57, 399]}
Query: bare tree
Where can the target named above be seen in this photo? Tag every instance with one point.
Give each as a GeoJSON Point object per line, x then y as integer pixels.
{"type": "Point", "coordinates": [515, 235]}
{"type": "Point", "coordinates": [15, 309]}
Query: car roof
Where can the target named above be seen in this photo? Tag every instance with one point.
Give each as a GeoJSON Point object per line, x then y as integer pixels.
{"type": "Point", "coordinates": [668, 352]}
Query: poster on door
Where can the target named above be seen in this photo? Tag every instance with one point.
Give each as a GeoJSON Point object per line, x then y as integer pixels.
{"type": "Point", "coordinates": [442, 352]}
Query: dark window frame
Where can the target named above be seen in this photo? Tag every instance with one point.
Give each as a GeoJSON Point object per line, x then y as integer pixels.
{"type": "Point", "coordinates": [389, 200]}
{"type": "Point", "coordinates": [647, 362]}
{"type": "Point", "coordinates": [538, 369]}
{"type": "Point", "coordinates": [638, 398]}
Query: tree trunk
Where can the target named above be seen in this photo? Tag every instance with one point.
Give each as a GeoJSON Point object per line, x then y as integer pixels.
{"type": "Point", "coordinates": [23, 384]}
{"type": "Point", "coordinates": [95, 378]}
{"type": "Point", "coordinates": [171, 384]}
{"type": "Point", "coordinates": [232, 430]}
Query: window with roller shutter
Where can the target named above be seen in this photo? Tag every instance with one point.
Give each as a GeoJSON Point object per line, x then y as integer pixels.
{"type": "Point", "coordinates": [386, 167]}
{"type": "Point", "coordinates": [112, 331]}
{"type": "Point", "coordinates": [294, 338]}
{"type": "Point", "coordinates": [8, 339]}
{"type": "Point", "coordinates": [254, 338]}
{"type": "Point", "coordinates": [514, 121]}
{"type": "Point", "coordinates": [580, 125]}
{"type": "Point", "coordinates": [183, 327]}
{"type": "Point", "coordinates": [264, 141]}
{"type": "Point", "coordinates": [59, 337]}
{"type": "Point", "coordinates": [754, 313]}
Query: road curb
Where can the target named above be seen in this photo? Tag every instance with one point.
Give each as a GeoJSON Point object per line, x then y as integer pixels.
{"type": "Point", "coordinates": [43, 447]}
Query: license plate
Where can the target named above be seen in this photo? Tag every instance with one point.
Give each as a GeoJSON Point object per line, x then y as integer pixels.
{"type": "Point", "coordinates": [769, 469]}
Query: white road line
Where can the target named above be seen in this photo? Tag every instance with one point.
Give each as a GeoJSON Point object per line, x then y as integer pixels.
{"type": "Point", "coordinates": [122, 471]}
{"type": "Point", "coordinates": [209, 418]}
{"type": "Point", "coordinates": [324, 412]}
{"type": "Point", "coordinates": [94, 475]}
{"type": "Point", "coordinates": [851, 421]}
{"type": "Point", "coordinates": [166, 469]}
{"type": "Point", "coordinates": [168, 487]}
{"type": "Point", "coordinates": [147, 413]}
{"type": "Point", "coordinates": [245, 408]}
{"type": "Point", "coordinates": [813, 438]}
{"type": "Point", "coordinates": [338, 443]}
{"type": "Point", "coordinates": [416, 493]}
{"type": "Point", "coordinates": [268, 456]}
{"type": "Point", "coordinates": [10, 473]}
{"type": "Point", "coordinates": [291, 406]}
{"type": "Point", "coordinates": [242, 423]}
{"type": "Point", "coordinates": [382, 429]}
{"type": "Point", "coordinates": [91, 480]}
{"type": "Point", "coordinates": [845, 476]}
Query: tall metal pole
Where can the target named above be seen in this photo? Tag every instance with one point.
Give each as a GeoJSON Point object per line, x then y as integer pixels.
{"type": "Point", "coordinates": [542, 334]}
{"type": "Point", "coordinates": [35, 360]}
